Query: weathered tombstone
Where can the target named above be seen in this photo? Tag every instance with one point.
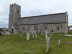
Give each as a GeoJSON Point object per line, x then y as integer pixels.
{"type": "Point", "coordinates": [45, 34]}
{"type": "Point", "coordinates": [50, 34]}
{"type": "Point", "coordinates": [58, 43]}
{"type": "Point", "coordinates": [47, 44]}
{"type": "Point", "coordinates": [35, 34]}
{"type": "Point", "coordinates": [7, 33]}
{"type": "Point", "coordinates": [32, 34]}
{"type": "Point", "coordinates": [28, 36]}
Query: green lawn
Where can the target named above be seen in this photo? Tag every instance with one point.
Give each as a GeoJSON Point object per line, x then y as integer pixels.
{"type": "Point", "coordinates": [17, 44]}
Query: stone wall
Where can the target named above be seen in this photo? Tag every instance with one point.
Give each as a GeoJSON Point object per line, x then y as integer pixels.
{"type": "Point", "coordinates": [57, 28]}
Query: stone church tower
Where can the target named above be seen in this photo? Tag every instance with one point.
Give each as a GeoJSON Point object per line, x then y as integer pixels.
{"type": "Point", "coordinates": [14, 14]}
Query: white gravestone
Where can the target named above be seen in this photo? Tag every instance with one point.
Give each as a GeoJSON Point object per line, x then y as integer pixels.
{"type": "Point", "coordinates": [47, 44]}
{"type": "Point", "coordinates": [58, 43]}
{"type": "Point", "coordinates": [7, 33]}
{"type": "Point", "coordinates": [28, 36]}
{"type": "Point", "coordinates": [45, 34]}
{"type": "Point", "coordinates": [35, 34]}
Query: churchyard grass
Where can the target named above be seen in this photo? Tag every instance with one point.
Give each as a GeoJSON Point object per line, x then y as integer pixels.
{"type": "Point", "coordinates": [17, 44]}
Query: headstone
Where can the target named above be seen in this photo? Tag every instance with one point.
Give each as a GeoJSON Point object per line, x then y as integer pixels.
{"type": "Point", "coordinates": [45, 34]}
{"type": "Point", "coordinates": [7, 33]}
{"type": "Point", "coordinates": [47, 44]}
{"type": "Point", "coordinates": [35, 34]}
{"type": "Point", "coordinates": [50, 34]}
{"type": "Point", "coordinates": [32, 34]}
{"type": "Point", "coordinates": [58, 43]}
{"type": "Point", "coordinates": [28, 36]}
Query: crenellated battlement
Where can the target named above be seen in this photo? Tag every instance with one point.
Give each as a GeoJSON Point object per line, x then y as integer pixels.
{"type": "Point", "coordinates": [12, 5]}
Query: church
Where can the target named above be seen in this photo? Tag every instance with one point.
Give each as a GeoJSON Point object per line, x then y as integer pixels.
{"type": "Point", "coordinates": [56, 23]}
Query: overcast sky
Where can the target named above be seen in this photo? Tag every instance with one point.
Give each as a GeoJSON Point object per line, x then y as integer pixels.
{"type": "Point", "coordinates": [35, 7]}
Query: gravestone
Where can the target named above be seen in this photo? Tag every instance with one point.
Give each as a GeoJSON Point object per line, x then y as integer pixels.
{"type": "Point", "coordinates": [32, 34]}
{"type": "Point", "coordinates": [45, 34]}
{"type": "Point", "coordinates": [28, 36]}
{"type": "Point", "coordinates": [47, 44]}
{"type": "Point", "coordinates": [50, 34]}
{"type": "Point", "coordinates": [58, 43]}
{"type": "Point", "coordinates": [35, 34]}
{"type": "Point", "coordinates": [7, 33]}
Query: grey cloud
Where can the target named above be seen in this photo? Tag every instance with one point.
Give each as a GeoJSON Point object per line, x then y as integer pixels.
{"type": "Point", "coordinates": [35, 7]}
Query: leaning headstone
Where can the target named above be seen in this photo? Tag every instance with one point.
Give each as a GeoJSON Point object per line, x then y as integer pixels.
{"type": "Point", "coordinates": [27, 35]}
{"type": "Point", "coordinates": [58, 43]}
{"type": "Point", "coordinates": [47, 44]}
{"type": "Point", "coordinates": [45, 34]}
{"type": "Point", "coordinates": [7, 33]}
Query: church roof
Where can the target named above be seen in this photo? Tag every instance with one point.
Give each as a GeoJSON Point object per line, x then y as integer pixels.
{"type": "Point", "coordinates": [44, 19]}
